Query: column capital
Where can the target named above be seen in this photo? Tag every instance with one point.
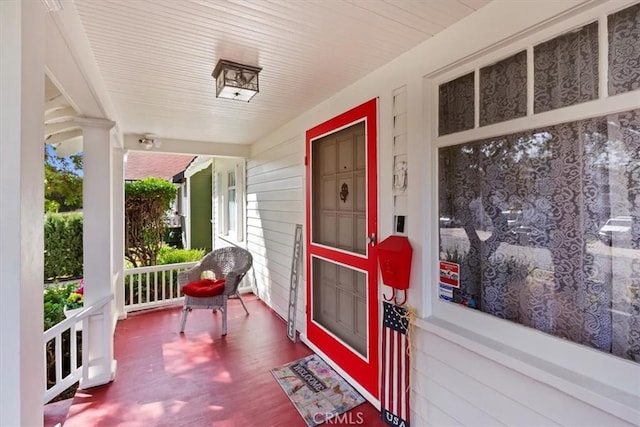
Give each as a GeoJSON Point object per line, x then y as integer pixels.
{"type": "Point", "coordinates": [92, 122]}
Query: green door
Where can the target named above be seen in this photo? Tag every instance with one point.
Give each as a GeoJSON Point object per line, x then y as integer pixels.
{"type": "Point", "coordinates": [200, 199]}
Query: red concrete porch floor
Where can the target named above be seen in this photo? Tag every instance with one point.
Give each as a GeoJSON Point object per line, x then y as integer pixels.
{"type": "Point", "coordinates": [199, 378]}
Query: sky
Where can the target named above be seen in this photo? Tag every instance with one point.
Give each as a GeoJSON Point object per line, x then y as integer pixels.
{"type": "Point", "coordinates": [61, 162]}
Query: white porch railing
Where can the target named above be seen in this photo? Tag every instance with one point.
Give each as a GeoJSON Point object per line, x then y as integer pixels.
{"type": "Point", "coordinates": [153, 286]}
{"type": "Point", "coordinates": [144, 288]}
{"type": "Point", "coordinates": [54, 341]}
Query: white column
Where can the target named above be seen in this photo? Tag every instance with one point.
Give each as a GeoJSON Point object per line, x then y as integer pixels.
{"type": "Point", "coordinates": [22, 65]}
{"type": "Point", "coordinates": [97, 205]}
{"type": "Point", "coordinates": [117, 216]}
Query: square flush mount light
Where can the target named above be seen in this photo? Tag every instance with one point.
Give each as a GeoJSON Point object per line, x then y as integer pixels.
{"type": "Point", "coordinates": [236, 81]}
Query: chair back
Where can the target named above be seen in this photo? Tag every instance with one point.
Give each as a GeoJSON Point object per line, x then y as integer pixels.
{"type": "Point", "coordinates": [231, 262]}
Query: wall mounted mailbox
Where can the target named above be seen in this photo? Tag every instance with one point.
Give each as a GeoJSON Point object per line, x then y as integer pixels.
{"type": "Point", "coordinates": [394, 255]}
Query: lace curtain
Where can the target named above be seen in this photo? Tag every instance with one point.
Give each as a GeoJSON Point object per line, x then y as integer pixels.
{"type": "Point", "coordinates": [624, 50]}
{"type": "Point", "coordinates": [528, 210]}
{"type": "Point", "coordinates": [566, 69]}
{"type": "Point", "coordinates": [503, 90]}
{"type": "Point", "coordinates": [456, 105]}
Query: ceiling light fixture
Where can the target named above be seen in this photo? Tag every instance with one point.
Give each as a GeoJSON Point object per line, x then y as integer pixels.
{"type": "Point", "coordinates": [149, 141]}
{"type": "Point", "coordinates": [236, 81]}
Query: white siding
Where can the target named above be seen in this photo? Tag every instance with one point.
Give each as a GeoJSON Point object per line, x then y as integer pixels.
{"type": "Point", "coordinates": [452, 383]}
{"type": "Point", "coordinates": [475, 391]}
{"type": "Point", "coordinates": [275, 204]}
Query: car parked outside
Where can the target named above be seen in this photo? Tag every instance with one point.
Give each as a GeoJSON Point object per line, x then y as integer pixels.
{"type": "Point", "coordinates": [616, 231]}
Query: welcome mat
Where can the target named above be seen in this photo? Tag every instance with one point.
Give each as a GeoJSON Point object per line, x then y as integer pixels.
{"type": "Point", "coordinates": [316, 390]}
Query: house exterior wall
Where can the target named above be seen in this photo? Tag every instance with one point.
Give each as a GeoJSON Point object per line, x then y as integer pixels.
{"type": "Point", "coordinates": [275, 205]}
{"type": "Point", "coordinates": [459, 376]}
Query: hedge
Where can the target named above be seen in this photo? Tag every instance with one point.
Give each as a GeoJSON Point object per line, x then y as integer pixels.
{"type": "Point", "coordinates": [62, 246]}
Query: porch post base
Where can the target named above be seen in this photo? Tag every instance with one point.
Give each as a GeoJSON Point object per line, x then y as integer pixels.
{"type": "Point", "coordinates": [99, 379]}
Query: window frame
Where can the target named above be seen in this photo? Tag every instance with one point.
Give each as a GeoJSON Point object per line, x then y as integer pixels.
{"type": "Point", "coordinates": [228, 229]}
{"type": "Point", "coordinates": [604, 380]}
{"type": "Point", "coordinates": [222, 175]}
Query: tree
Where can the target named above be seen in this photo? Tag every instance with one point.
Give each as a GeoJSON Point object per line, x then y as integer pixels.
{"type": "Point", "coordinates": [63, 181]}
{"type": "Point", "coordinates": [146, 203]}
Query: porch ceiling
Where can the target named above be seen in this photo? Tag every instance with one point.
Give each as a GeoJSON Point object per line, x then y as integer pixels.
{"type": "Point", "coordinates": [156, 56]}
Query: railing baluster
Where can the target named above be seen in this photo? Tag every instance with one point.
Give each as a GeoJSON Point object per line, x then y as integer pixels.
{"type": "Point", "coordinates": [164, 285]}
{"type": "Point", "coordinates": [58, 353]}
{"type": "Point", "coordinates": [171, 284]}
{"type": "Point", "coordinates": [155, 286]}
{"type": "Point", "coordinates": [131, 283]}
{"type": "Point", "coordinates": [46, 366]}
{"type": "Point", "coordinates": [74, 348]}
{"type": "Point", "coordinates": [147, 287]}
{"type": "Point", "coordinates": [178, 292]}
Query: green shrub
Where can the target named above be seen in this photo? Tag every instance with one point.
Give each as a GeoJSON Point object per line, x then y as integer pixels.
{"type": "Point", "coordinates": [55, 298]}
{"type": "Point", "coordinates": [63, 256]}
{"type": "Point", "coordinates": [145, 205]}
{"type": "Point", "coordinates": [169, 255]}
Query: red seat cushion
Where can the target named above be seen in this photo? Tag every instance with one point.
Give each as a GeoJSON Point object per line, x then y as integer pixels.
{"type": "Point", "coordinates": [204, 288]}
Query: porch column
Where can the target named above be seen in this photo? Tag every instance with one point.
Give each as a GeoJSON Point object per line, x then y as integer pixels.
{"type": "Point", "coordinates": [97, 205]}
{"type": "Point", "coordinates": [117, 170]}
{"type": "Point", "coordinates": [22, 71]}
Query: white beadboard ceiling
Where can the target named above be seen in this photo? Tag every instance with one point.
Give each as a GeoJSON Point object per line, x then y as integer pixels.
{"type": "Point", "coordinates": [156, 56]}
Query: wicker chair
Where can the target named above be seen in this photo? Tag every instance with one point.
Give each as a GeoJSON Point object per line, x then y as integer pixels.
{"type": "Point", "coordinates": [231, 264]}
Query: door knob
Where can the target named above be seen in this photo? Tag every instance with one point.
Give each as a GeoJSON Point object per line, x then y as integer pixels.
{"type": "Point", "coordinates": [371, 240]}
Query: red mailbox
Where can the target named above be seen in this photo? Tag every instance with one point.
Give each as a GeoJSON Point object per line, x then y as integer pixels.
{"type": "Point", "coordinates": [394, 254]}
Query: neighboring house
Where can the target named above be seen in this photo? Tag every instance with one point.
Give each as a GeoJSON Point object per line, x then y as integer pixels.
{"type": "Point", "coordinates": [144, 164]}
{"type": "Point", "coordinates": [529, 106]}
{"type": "Point", "coordinates": [211, 194]}
{"type": "Point", "coordinates": [198, 204]}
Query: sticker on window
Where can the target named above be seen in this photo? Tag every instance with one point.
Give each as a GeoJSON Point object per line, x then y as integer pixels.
{"type": "Point", "coordinates": [446, 292]}
{"type": "Point", "coordinates": [450, 274]}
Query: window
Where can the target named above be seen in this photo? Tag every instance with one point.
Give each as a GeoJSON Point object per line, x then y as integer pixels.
{"type": "Point", "coordinates": [229, 200]}
{"type": "Point", "coordinates": [566, 69]}
{"type": "Point", "coordinates": [544, 220]}
{"type": "Point", "coordinates": [543, 229]}
{"type": "Point", "coordinates": [456, 105]}
{"type": "Point", "coordinates": [624, 50]}
{"type": "Point", "coordinates": [503, 90]}
{"type": "Point", "coordinates": [231, 203]}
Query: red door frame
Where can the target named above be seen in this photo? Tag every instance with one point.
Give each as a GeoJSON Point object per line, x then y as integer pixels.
{"type": "Point", "coordinates": [364, 372]}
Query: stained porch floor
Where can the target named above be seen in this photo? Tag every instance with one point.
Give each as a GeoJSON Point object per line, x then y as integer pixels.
{"type": "Point", "coordinates": [199, 378]}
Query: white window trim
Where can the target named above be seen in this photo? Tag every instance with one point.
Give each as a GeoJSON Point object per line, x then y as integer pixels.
{"type": "Point", "coordinates": [230, 215]}
{"type": "Point", "coordinates": [600, 379]}
{"type": "Point", "coordinates": [223, 208]}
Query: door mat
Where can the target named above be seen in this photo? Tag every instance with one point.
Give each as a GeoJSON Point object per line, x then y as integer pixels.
{"type": "Point", "coordinates": [316, 390]}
